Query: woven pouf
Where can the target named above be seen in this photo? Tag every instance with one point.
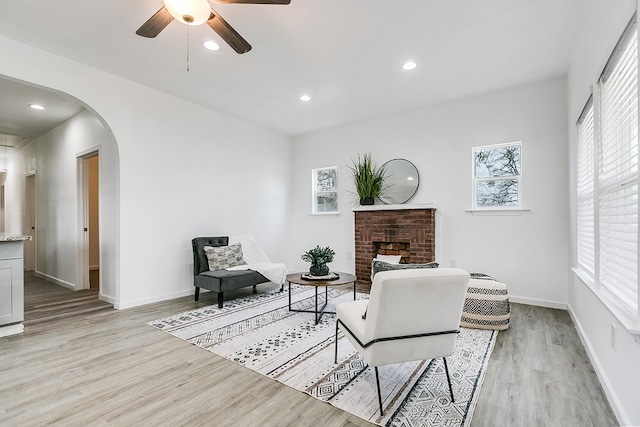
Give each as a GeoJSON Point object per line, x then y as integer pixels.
{"type": "Point", "coordinates": [486, 305]}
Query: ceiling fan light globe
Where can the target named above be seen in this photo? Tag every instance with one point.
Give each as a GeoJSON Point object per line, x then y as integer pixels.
{"type": "Point", "coordinates": [191, 12]}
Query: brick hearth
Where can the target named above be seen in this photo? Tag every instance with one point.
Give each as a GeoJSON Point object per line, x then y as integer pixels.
{"type": "Point", "coordinates": [406, 232]}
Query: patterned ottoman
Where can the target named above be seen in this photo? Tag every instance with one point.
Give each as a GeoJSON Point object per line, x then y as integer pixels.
{"type": "Point", "coordinates": [486, 305]}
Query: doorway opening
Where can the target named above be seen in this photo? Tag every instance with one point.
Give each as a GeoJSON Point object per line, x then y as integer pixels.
{"type": "Point", "coordinates": [89, 242]}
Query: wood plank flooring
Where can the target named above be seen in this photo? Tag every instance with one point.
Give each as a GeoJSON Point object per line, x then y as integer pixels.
{"type": "Point", "coordinates": [45, 301]}
{"type": "Point", "coordinates": [106, 367]}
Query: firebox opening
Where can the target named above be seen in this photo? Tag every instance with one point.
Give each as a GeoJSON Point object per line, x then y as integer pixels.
{"type": "Point", "coordinates": [393, 248]}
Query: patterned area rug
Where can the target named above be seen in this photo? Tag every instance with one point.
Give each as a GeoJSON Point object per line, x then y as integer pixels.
{"type": "Point", "coordinates": [260, 333]}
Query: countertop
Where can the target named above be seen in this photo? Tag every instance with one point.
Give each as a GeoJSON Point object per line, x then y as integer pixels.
{"type": "Point", "coordinates": [6, 237]}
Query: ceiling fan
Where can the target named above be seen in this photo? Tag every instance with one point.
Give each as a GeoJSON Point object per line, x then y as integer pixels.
{"type": "Point", "coordinates": [197, 12]}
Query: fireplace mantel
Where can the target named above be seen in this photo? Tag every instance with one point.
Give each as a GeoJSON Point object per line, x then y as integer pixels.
{"type": "Point", "coordinates": [394, 207]}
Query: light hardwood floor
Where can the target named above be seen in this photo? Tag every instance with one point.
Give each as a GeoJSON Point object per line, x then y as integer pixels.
{"type": "Point", "coordinates": [104, 367]}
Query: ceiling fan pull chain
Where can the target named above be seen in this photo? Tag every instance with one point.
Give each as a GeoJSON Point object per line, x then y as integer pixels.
{"type": "Point", "coordinates": [187, 48]}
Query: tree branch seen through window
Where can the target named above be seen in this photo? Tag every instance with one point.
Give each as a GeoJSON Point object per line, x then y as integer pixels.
{"type": "Point", "coordinates": [496, 175]}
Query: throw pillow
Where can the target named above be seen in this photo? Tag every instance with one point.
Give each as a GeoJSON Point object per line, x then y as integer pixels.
{"type": "Point", "coordinates": [379, 266]}
{"type": "Point", "coordinates": [221, 257]}
{"type": "Point", "coordinates": [391, 259]}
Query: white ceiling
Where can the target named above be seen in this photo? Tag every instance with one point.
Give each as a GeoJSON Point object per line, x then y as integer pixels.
{"type": "Point", "coordinates": [346, 54]}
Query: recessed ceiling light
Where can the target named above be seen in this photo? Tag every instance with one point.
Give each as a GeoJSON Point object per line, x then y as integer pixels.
{"type": "Point", "coordinates": [305, 98]}
{"type": "Point", "coordinates": [410, 65]}
{"type": "Point", "coordinates": [211, 45]}
{"type": "Point", "coordinates": [36, 106]}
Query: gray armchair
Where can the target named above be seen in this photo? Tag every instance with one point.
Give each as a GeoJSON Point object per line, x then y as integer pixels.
{"type": "Point", "coordinates": [221, 280]}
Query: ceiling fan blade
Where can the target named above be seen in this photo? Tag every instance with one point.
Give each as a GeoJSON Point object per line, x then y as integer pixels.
{"type": "Point", "coordinates": [256, 1]}
{"type": "Point", "coordinates": [227, 33]}
{"type": "Point", "coordinates": [155, 24]}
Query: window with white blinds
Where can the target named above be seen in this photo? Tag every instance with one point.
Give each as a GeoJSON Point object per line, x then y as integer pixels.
{"type": "Point", "coordinates": [585, 189]}
{"type": "Point", "coordinates": [618, 171]}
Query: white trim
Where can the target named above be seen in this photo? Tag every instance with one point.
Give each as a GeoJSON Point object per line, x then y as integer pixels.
{"type": "Point", "coordinates": [394, 207]}
{"type": "Point", "coordinates": [538, 302]}
{"type": "Point", "coordinates": [123, 305]}
{"type": "Point", "coordinates": [8, 330]}
{"type": "Point", "coordinates": [502, 211]}
{"type": "Point", "coordinates": [621, 312]}
{"type": "Point", "coordinates": [609, 390]}
{"type": "Point", "coordinates": [82, 224]}
{"type": "Point", "coordinates": [55, 280]}
{"type": "Point", "coordinates": [106, 298]}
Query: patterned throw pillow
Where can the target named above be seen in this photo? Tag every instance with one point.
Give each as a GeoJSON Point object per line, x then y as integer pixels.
{"type": "Point", "coordinates": [378, 266]}
{"type": "Point", "coordinates": [222, 257]}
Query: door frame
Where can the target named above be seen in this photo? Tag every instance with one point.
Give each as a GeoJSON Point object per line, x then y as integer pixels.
{"type": "Point", "coordinates": [82, 253]}
{"type": "Point", "coordinates": [32, 217]}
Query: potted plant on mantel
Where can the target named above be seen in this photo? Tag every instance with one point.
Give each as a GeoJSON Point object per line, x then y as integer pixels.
{"type": "Point", "coordinates": [319, 257]}
{"type": "Point", "coordinates": [368, 178]}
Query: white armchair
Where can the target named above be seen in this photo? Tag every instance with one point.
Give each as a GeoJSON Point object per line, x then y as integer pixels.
{"type": "Point", "coordinates": [410, 315]}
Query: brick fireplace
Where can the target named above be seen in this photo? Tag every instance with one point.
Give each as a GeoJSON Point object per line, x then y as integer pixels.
{"type": "Point", "coordinates": [410, 233]}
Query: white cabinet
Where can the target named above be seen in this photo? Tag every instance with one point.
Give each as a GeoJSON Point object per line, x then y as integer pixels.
{"type": "Point", "coordinates": [11, 282]}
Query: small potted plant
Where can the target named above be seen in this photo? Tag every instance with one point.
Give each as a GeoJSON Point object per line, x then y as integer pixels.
{"type": "Point", "coordinates": [319, 257]}
{"type": "Point", "coordinates": [368, 178]}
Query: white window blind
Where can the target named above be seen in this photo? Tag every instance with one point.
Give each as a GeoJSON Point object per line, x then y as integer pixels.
{"type": "Point", "coordinates": [585, 189]}
{"type": "Point", "coordinates": [618, 171]}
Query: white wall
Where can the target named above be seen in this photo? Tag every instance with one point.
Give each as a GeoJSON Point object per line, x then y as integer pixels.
{"type": "Point", "coordinates": [618, 368]}
{"type": "Point", "coordinates": [528, 252]}
{"type": "Point", "coordinates": [183, 171]}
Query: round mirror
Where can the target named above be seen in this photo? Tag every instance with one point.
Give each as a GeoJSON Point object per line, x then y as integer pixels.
{"type": "Point", "coordinates": [401, 181]}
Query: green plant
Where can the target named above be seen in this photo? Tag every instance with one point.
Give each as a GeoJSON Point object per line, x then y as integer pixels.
{"type": "Point", "coordinates": [368, 177]}
{"type": "Point", "coordinates": [318, 256]}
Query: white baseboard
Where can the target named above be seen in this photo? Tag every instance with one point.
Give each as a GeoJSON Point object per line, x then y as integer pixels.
{"type": "Point", "coordinates": [16, 329]}
{"type": "Point", "coordinates": [617, 408]}
{"type": "Point", "coordinates": [56, 280]}
{"type": "Point", "coordinates": [123, 305]}
{"type": "Point", "coordinates": [107, 298]}
{"type": "Point", "coordinates": [538, 302]}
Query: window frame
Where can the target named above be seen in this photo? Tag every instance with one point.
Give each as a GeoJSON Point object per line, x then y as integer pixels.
{"type": "Point", "coordinates": [615, 161]}
{"type": "Point", "coordinates": [586, 198]}
{"type": "Point", "coordinates": [315, 192]}
{"type": "Point", "coordinates": [616, 177]}
{"type": "Point", "coordinates": [476, 180]}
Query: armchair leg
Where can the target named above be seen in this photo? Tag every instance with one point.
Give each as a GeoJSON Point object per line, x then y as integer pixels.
{"type": "Point", "coordinates": [220, 299]}
{"type": "Point", "coordinates": [255, 291]}
{"type": "Point", "coordinates": [379, 395]}
{"type": "Point", "coordinates": [446, 369]}
{"type": "Point", "coordinates": [336, 355]}
{"type": "Point", "coordinates": [197, 294]}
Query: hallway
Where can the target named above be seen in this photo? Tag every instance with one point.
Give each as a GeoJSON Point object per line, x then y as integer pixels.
{"type": "Point", "coordinates": [45, 301]}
